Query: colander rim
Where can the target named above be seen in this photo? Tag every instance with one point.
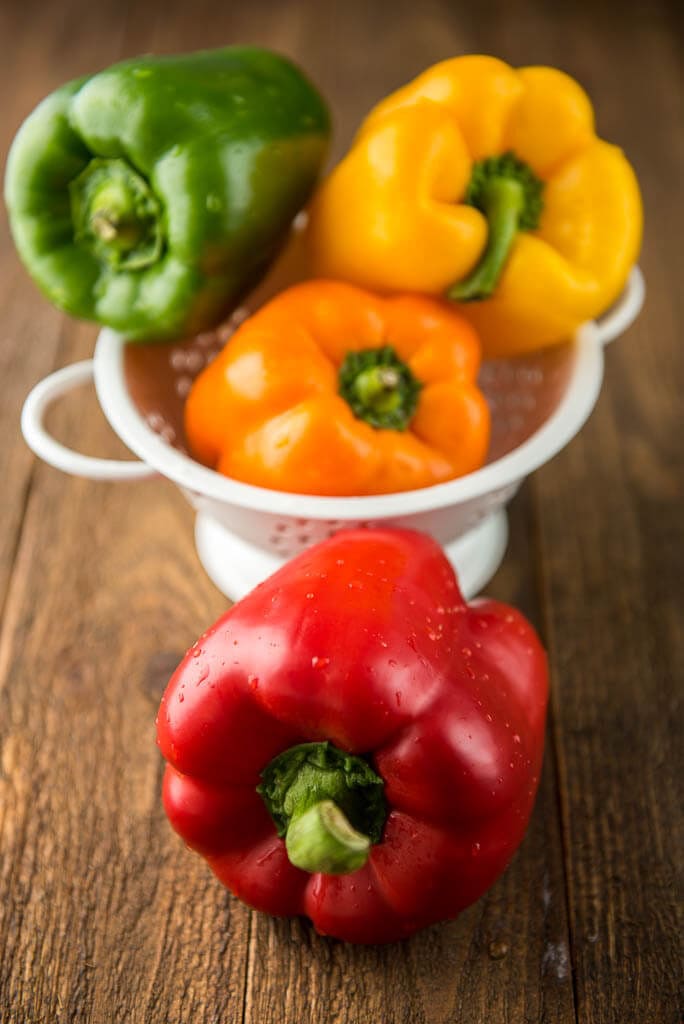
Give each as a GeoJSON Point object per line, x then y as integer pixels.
{"type": "Point", "coordinates": [571, 412]}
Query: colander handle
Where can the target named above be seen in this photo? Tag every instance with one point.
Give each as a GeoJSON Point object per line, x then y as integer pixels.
{"type": "Point", "coordinates": [625, 311]}
{"type": "Point", "coordinates": [58, 455]}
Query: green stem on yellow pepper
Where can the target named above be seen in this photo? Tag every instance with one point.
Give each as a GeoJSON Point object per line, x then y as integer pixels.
{"type": "Point", "coordinates": [510, 196]}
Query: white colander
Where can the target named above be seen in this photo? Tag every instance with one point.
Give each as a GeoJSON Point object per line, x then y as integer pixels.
{"type": "Point", "coordinates": [243, 533]}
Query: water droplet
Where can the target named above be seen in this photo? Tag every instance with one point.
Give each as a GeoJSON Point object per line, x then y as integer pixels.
{"type": "Point", "coordinates": [177, 360]}
{"type": "Point", "coordinates": [475, 850]}
{"type": "Point", "coordinates": [488, 717]}
{"type": "Point", "coordinates": [183, 386]}
{"type": "Point", "coordinates": [195, 651]}
{"type": "Point", "coordinates": [309, 596]}
{"type": "Point", "coordinates": [516, 738]}
{"type": "Point", "coordinates": [397, 697]}
{"type": "Point", "coordinates": [392, 663]}
{"type": "Point", "coordinates": [318, 662]}
{"type": "Point", "coordinates": [498, 950]}
{"type": "Point", "coordinates": [470, 671]}
{"type": "Point", "coordinates": [466, 652]}
{"type": "Point", "coordinates": [202, 676]}
{"type": "Point", "coordinates": [181, 698]}
{"type": "Point", "coordinates": [383, 643]}
{"type": "Point", "coordinates": [253, 682]}
{"type": "Point", "coordinates": [265, 857]}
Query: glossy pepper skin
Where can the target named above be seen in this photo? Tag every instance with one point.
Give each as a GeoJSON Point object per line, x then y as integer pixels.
{"type": "Point", "coordinates": [329, 389]}
{"type": "Point", "coordinates": [363, 646]}
{"type": "Point", "coordinates": [150, 196]}
{"type": "Point", "coordinates": [412, 207]}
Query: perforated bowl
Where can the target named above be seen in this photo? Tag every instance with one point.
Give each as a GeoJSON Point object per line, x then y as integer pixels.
{"type": "Point", "coordinates": [243, 533]}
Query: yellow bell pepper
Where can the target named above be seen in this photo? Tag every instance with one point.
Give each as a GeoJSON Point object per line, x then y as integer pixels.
{"type": "Point", "coordinates": [487, 184]}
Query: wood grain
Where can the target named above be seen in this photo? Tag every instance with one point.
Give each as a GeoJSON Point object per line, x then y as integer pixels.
{"type": "Point", "coordinates": [104, 916]}
{"type": "Point", "coordinates": [105, 598]}
{"type": "Point", "coordinates": [29, 331]}
{"type": "Point", "coordinates": [613, 600]}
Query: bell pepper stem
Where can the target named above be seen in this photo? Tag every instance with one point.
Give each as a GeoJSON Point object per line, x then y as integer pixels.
{"type": "Point", "coordinates": [116, 216]}
{"type": "Point", "coordinates": [503, 201]}
{"type": "Point", "coordinates": [104, 225]}
{"type": "Point", "coordinates": [113, 215]}
{"type": "Point", "coordinates": [326, 804]}
{"type": "Point", "coordinates": [322, 839]}
{"type": "Point", "coordinates": [379, 387]}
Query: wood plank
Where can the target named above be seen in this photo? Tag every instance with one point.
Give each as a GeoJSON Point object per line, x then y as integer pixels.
{"type": "Point", "coordinates": [98, 896]}
{"type": "Point", "coordinates": [44, 45]}
{"type": "Point", "coordinates": [610, 524]}
{"type": "Point", "coordinates": [29, 330]}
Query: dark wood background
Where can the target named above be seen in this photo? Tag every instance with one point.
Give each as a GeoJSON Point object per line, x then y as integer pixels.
{"type": "Point", "coordinates": [104, 916]}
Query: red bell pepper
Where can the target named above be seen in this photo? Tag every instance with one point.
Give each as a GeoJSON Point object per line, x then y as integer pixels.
{"type": "Point", "coordinates": [353, 742]}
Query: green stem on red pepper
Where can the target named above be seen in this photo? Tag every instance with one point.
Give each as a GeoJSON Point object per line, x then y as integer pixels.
{"type": "Point", "coordinates": [328, 805]}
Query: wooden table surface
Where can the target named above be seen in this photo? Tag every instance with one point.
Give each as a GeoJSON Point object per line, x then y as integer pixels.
{"type": "Point", "coordinates": [104, 916]}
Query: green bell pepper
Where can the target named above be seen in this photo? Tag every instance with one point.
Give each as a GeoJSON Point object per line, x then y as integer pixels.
{"type": "Point", "coordinates": [151, 196]}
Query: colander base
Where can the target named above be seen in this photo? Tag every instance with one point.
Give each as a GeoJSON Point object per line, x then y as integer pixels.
{"type": "Point", "coordinates": [236, 565]}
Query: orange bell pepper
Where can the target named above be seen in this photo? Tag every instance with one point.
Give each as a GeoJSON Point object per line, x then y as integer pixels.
{"type": "Point", "coordinates": [329, 389]}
